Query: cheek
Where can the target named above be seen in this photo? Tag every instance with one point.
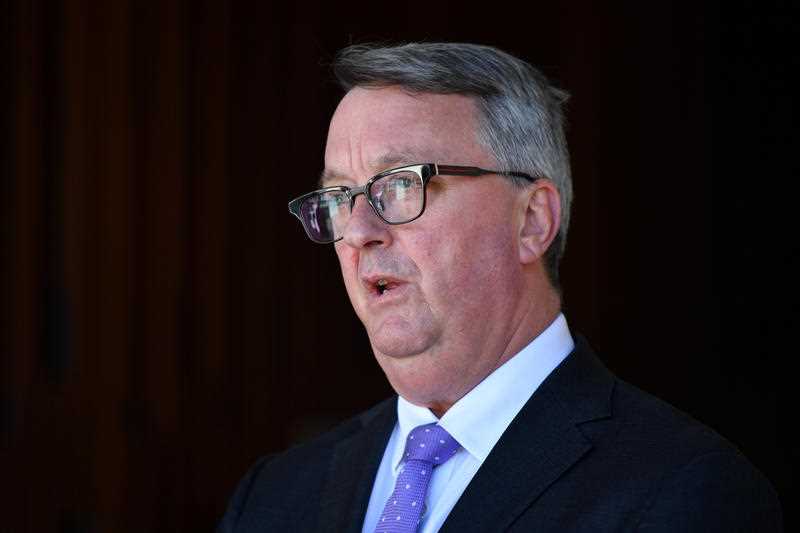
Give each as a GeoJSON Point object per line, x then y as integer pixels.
{"type": "Point", "coordinates": [348, 261]}
{"type": "Point", "coordinates": [471, 263]}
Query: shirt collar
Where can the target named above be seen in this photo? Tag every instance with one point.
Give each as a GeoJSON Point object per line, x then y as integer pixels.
{"type": "Point", "coordinates": [478, 420]}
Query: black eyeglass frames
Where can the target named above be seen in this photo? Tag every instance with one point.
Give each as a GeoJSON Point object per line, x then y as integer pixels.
{"type": "Point", "coordinates": [396, 195]}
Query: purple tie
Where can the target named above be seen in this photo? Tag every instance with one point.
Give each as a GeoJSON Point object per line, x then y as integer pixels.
{"type": "Point", "coordinates": [427, 447]}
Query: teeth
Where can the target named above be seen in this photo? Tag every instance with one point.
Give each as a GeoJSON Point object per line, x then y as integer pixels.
{"type": "Point", "coordinates": [382, 286]}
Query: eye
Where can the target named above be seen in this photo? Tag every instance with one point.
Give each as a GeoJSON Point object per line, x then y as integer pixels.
{"type": "Point", "coordinates": [400, 185]}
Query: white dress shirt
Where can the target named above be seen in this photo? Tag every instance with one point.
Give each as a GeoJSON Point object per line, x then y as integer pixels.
{"type": "Point", "coordinates": [476, 421]}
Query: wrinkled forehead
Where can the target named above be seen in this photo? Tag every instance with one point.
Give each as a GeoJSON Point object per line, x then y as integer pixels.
{"type": "Point", "coordinates": [377, 128]}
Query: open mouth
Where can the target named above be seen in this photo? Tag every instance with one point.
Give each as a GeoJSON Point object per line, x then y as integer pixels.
{"type": "Point", "coordinates": [383, 286]}
{"type": "Point", "coordinates": [380, 285]}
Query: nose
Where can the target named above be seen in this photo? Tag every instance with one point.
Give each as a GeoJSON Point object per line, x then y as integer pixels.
{"type": "Point", "coordinates": [364, 227]}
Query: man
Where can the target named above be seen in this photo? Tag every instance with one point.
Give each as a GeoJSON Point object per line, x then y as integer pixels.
{"type": "Point", "coordinates": [446, 193]}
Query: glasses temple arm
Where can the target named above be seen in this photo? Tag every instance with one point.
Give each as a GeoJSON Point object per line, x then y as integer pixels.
{"type": "Point", "coordinates": [451, 170]}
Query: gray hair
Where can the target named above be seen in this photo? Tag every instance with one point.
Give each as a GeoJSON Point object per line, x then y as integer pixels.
{"type": "Point", "coordinates": [521, 120]}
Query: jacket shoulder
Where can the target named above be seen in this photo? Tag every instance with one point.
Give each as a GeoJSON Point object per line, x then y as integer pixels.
{"type": "Point", "coordinates": [651, 465]}
{"type": "Point", "coordinates": [278, 487]}
{"type": "Point", "coordinates": [695, 478]}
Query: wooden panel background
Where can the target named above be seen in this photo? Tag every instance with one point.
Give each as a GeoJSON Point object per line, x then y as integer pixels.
{"type": "Point", "coordinates": [164, 321]}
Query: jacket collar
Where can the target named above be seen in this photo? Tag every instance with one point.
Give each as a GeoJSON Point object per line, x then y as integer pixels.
{"type": "Point", "coordinates": [354, 465]}
{"type": "Point", "coordinates": [542, 443]}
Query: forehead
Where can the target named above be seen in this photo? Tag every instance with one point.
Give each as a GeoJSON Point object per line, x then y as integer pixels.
{"type": "Point", "coordinates": [374, 128]}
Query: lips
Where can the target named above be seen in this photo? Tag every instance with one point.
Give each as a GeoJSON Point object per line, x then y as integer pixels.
{"type": "Point", "coordinates": [381, 285]}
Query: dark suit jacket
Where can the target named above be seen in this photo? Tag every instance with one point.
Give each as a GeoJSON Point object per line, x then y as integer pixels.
{"type": "Point", "coordinates": [588, 452]}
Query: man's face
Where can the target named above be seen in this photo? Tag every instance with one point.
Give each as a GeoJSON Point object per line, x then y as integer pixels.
{"type": "Point", "coordinates": [454, 274]}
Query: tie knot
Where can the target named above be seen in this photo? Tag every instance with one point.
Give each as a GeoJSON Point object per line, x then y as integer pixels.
{"type": "Point", "coordinates": [430, 443]}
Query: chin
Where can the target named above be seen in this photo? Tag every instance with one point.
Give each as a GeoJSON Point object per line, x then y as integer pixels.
{"type": "Point", "coordinates": [397, 346]}
{"type": "Point", "coordinates": [408, 363]}
{"type": "Point", "coordinates": [398, 337]}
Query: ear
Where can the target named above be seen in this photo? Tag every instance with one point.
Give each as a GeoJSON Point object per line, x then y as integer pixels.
{"type": "Point", "coordinates": [541, 207]}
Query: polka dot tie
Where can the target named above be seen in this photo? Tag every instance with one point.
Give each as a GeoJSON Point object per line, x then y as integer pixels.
{"type": "Point", "coordinates": [427, 447]}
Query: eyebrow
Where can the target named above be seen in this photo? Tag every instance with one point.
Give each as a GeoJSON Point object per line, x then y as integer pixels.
{"type": "Point", "coordinates": [388, 159]}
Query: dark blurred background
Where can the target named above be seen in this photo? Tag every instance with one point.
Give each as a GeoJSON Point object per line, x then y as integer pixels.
{"type": "Point", "coordinates": [165, 321]}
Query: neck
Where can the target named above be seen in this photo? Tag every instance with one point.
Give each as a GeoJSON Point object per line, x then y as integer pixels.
{"type": "Point", "coordinates": [541, 310]}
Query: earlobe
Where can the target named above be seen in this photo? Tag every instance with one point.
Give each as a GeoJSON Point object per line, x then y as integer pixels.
{"type": "Point", "coordinates": [541, 220]}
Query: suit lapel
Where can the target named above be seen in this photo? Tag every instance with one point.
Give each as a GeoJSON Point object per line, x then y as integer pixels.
{"type": "Point", "coordinates": [354, 464]}
{"type": "Point", "coordinates": [542, 443]}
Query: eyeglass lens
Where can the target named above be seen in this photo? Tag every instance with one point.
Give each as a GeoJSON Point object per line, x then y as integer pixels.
{"type": "Point", "coordinates": [397, 197]}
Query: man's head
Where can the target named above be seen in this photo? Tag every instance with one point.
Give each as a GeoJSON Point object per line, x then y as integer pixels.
{"type": "Point", "coordinates": [519, 113]}
{"type": "Point", "coordinates": [448, 297]}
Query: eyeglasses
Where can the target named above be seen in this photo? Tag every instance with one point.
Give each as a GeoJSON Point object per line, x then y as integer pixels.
{"type": "Point", "coordinates": [397, 196]}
